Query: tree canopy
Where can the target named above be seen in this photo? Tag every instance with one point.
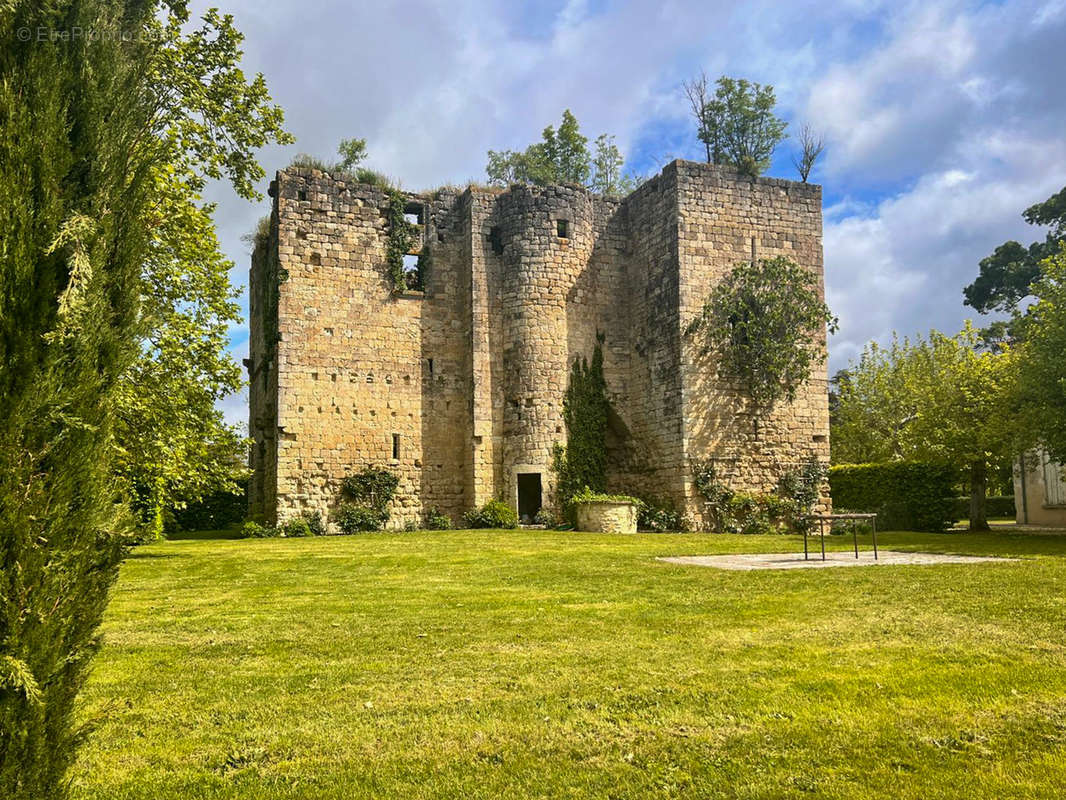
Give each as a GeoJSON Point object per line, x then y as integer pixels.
{"type": "Point", "coordinates": [1006, 277]}
{"type": "Point", "coordinates": [737, 124]}
{"type": "Point", "coordinates": [563, 156]}
{"type": "Point", "coordinates": [108, 271]}
{"type": "Point", "coordinates": [1042, 360]}
{"type": "Point", "coordinates": [941, 398]}
{"type": "Point", "coordinates": [766, 322]}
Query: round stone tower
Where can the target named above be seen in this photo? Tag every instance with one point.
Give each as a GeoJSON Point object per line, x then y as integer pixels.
{"type": "Point", "coordinates": [547, 236]}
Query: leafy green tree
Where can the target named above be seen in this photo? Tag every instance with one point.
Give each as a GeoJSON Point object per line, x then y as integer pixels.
{"type": "Point", "coordinates": [607, 176]}
{"type": "Point", "coordinates": [766, 322]}
{"type": "Point", "coordinates": [352, 152]}
{"type": "Point", "coordinates": [562, 156]}
{"type": "Point", "coordinates": [938, 399]}
{"type": "Point", "coordinates": [91, 131]}
{"type": "Point", "coordinates": [583, 462]}
{"type": "Point", "coordinates": [1042, 360]}
{"type": "Point", "coordinates": [1006, 277]}
{"type": "Point", "coordinates": [737, 125]}
{"type": "Point", "coordinates": [173, 445]}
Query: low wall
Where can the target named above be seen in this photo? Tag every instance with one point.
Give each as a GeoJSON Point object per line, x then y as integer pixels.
{"type": "Point", "coordinates": [601, 516]}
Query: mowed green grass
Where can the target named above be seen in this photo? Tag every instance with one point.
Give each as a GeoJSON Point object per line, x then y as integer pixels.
{"type": "Point", "coordinates": [540, 664]}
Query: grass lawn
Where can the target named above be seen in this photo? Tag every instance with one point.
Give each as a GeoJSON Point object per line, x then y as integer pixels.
{"type": "Point", "coordinates": [540, 664]}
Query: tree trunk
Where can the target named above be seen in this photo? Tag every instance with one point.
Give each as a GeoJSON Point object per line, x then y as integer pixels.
{"type": "Point", "coordinates": [978, 490]}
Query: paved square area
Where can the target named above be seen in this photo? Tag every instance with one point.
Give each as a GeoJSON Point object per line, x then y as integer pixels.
{"type": "Point", "coordinates": [750, 561]}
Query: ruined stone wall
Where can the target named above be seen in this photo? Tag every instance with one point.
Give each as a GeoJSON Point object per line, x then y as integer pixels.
{"type": "Point", "coordinates": [471, 374]}
{"type": "Point", "coordinates": [725, 219]}
{"type": "Point", "coordinates": [560, 282]}
{"type": "Point", "coordinates": [263, 376]}
{"type": "Point", "coordinates": [445, 357]}
{"type": "Point", "coordinates": [645, 443]}
{"type": "Point", "coordinates": [350, 354]}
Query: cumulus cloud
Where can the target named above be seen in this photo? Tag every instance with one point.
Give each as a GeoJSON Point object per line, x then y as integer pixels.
{"type": "Point", "coordinates": [943, 118]}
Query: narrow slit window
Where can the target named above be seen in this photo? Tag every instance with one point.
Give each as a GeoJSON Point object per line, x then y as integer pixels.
{"type": "Point", "coordinates": [301, 194]}
{"type": "Point", "coordinates": [396, 447]}
{"type": "Point", "coordinates": [562, 227]}
{"type": "Point", "coordinates": [431, 367]}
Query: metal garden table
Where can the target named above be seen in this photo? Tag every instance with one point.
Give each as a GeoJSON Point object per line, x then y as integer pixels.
{"type": "Point", "coordinates": [830, 518]}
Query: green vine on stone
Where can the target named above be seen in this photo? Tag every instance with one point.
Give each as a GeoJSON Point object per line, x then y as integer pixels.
{"type": "Point", "coordinates": [765, 321]}
{"type": "Point", "coordinates": [582, 464]}
{"type": "Point", "coordinates": [401, 235]}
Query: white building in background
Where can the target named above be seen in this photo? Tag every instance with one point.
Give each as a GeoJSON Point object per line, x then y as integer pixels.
{"type": "Point", "coordinates": [1039, 490]}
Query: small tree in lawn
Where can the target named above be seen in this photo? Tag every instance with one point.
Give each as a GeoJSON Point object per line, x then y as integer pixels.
{"type": "Point", "coordinates": [766, 321]}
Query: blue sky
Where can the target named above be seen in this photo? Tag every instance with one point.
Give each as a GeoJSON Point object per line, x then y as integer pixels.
{"type": "Point", "coordinates": [942, 120]}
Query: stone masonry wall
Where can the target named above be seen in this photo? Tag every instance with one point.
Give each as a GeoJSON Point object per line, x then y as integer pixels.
{"type": "Point", "coordinates": [726, 218]}
{"type": "Point", "coordinates": [470, 374]}
{"type": "Point", "coordinates": [350, 355]}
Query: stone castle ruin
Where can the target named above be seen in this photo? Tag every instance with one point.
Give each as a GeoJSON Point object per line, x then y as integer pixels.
{"type": "Point", "coordinates": [458, 386]}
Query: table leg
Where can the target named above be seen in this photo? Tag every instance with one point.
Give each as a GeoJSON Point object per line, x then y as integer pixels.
{"type": "Point", "coordinates": [855, 538]}
{"type": "Point", "coordinates": [804, 542]}
{"type": "Point", "coordinates": [821, 530]}
{"type": "Point", "coordinates": [875, 537]}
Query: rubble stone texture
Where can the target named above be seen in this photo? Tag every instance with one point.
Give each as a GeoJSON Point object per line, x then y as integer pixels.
{"type": "Point", "coordinates": [463, 383]}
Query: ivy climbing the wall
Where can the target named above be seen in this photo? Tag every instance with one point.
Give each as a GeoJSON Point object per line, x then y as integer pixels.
{"type": "Point", "coordinates": [583, 462]}
{"type": "Point", "coordinates": [401, 235]}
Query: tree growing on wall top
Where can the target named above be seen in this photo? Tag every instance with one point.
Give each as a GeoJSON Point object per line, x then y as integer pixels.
{"type": "Point", "coordinates": [736, 124]}
{"type": "Point", "coordinates": [563, 156]}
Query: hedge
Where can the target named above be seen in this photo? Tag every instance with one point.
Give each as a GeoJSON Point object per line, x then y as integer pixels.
{"type": "Point", "coordinates": [905, 495]}
{"type": "Point", "coordinates": [215, 511]}
{"type": "Point", "coordinates": [995, 506]}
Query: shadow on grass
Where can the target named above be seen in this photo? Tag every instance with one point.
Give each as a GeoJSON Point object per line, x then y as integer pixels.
{"type": "Point", "coordinates": [227, 533]}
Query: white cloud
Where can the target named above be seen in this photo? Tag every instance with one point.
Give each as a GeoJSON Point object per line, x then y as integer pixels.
{"type": "Point", "coordinates": [944, 119]}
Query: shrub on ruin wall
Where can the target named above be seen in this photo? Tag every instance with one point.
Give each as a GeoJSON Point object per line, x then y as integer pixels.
{"type": "Point", "coordinates": [366, 497]}
{"type": "Point", "coordinates": [401, 235]}
{"type": "Point", "coordinates": [905, 495]}
{"type": "Point", "coordinates": [766, 323]}
{"type": "Point", "coordinates": [785, 510]}
{"type": "Point", "coordinates": [354, 518]}
{"type": "Point", "coordinates": [436, 521]}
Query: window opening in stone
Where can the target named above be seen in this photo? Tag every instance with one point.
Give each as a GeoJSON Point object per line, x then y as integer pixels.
{"type": "Point", "coordinates": [412, 275]}
{"type": "Point", "coordinates": [396, 447]}
{"type": "Point", "coordinates": [562, 227]}
{"type": "Point", "coordinates": [412, 212]}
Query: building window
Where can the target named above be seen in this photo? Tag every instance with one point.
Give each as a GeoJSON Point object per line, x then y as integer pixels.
{"type": "Point", "coordinates": [301, 194]}
{"type": "Point", "coordinates": [430, 367]}
{"type": "Point", "coordinates": [562, 227]}
{"type": "Point", "coordinates": [396, 447]}
{"type": "Point", "coordinates": [412, 274]}
{"type": "Point", "coordinates": [496, 240]}
{"type": "Point", "coordinates": [412, 212]}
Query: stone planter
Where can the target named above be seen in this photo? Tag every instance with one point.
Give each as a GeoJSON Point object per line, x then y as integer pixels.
{"type": "Point", "coordinates": [606, 516]}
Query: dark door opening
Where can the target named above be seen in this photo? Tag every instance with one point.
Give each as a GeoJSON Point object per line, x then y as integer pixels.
{"type": "Point", "coordinates": [528, 496]}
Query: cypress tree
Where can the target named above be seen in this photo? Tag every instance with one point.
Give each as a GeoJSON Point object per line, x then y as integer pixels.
{"type": "Point", "coordinates": [102, 103]}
